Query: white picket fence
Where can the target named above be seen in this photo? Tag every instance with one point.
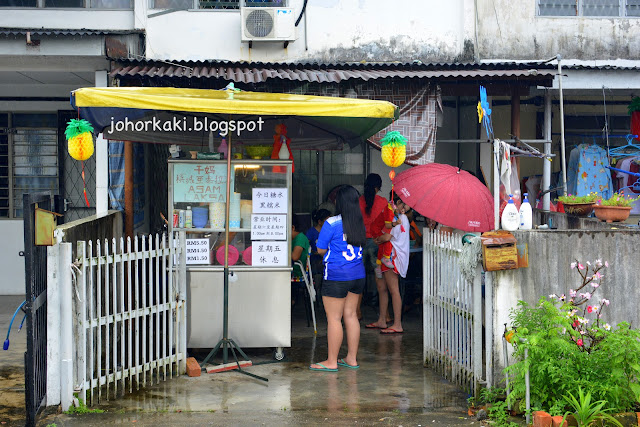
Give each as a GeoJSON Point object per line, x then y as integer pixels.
{"type": "Point", "coordinates": [129, 316]}
{"type": "Point", "coordinates": [453, 321]}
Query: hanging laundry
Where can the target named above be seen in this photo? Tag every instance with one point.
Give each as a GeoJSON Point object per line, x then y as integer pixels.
{"type": "Point", "coordinates": [587, 172]}
{"type": "Point", "coordinates": [505, 166]}
{"type": "Point", "coordinates": [509, 181]}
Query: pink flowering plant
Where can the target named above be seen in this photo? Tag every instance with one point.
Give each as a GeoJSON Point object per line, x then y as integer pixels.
{"type": "Point", "coordinates": [573, 199]}
{"type": "Point", "coordinates": [618, 199]}
{"type": "Point", "coordinates": [570, 345]}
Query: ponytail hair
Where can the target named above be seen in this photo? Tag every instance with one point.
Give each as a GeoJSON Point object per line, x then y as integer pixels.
{"type": "Point", "coordinates": [348, 205]}
{"type": "Point", "coordinates": [372, 182]}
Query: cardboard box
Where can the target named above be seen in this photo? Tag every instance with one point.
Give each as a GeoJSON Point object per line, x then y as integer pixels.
{"type": "Point", "coordinates": [499, 251]}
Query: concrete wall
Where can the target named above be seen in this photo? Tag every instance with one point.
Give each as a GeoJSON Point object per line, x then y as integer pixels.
{"type": "Point", "coordinates": [337, 30]}
{"type": "Point", "coordinates": [549, 272]}
{"type": "Point", "coordinates": [67, 18]}
{"type": "Point", "coordinates": [515, 32]}
{"type": "Point", "coordinates": [12, 264]}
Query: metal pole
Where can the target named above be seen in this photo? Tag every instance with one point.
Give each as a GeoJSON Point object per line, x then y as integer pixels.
{"type": "Point", "coordinates": [546, 165]}
{"type": "Point", "coordinates": [496, 185]}
{"type": "Point", "coordinates": [128, 188]}
{"type": "Point", "coordinates": [225, 321]}
{"type": "Point", "coordinates": [527, 387]}
{"type": "Point", "coordinates": [562, 146]}
{"type": "Point", "coordinates": [506, 364]}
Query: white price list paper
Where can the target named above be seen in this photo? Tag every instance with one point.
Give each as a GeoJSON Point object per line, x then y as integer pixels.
{"type": "Point", "coordinates": [268, 227]}
{"type": "Point", "coordinates": [270, 254]}
{"type": "Point", "coordinates": [270, 200]}
{"type": "Point", "coordinates": [197, 251]}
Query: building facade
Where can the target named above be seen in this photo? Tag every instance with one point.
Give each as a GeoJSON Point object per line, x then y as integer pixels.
{"type": "Point", "coordinates": [50, 47]}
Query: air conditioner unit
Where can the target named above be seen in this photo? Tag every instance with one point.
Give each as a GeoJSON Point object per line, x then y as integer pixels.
{"type": "Point", "coordinates": [267, 24]}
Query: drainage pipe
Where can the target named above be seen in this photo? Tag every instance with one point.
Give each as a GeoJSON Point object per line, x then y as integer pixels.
{"type": "Point", "coordinates": [546, 165]}
{"type": "Point", "coordinates": [562, 144]}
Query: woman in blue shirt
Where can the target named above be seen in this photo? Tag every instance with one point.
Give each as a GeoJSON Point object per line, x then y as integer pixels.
{"type": "Point", "coordinates": [340, 241]}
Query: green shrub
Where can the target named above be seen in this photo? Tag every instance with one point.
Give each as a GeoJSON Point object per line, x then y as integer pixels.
{"type": "Point", "coordinates": [571, 348]}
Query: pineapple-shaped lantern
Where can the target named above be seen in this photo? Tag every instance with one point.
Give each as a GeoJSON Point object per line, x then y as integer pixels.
{"type": "Point", "coordinates": [80, 139]}
{"type": "Point", "coordinates": [394, 151]}
{"type": "Point", "coordinates": [80, 145]}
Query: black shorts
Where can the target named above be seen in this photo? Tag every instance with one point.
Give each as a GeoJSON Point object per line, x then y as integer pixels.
{"type": "Point", "coordinates": [340, 289]}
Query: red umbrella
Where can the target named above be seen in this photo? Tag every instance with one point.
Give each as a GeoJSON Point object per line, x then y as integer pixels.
{"type": "Point", "coordinates": [446, 194]}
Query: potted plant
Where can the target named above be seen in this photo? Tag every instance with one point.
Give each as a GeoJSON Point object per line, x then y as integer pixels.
{"type": "Point", "coordinates": [587, 412]}
{"type": "Point", "coordinates": [578, 205]}
{"type": "Point", "coordinates": [615, 208]}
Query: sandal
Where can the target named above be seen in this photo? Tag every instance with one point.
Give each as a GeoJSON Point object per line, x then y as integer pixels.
{"type": "Point", "coordinates": [374, 326]}
{"type": "Point", "coordinates": [323, 369]}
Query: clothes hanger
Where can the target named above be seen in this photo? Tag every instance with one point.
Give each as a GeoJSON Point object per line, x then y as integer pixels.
{"type": "Point", "coordinates": [626, 150]}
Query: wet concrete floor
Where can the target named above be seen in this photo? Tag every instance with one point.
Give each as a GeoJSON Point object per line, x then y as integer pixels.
{"type": "Point", "coordinates": [391, 388]}
{"type": "Point", "coordinates": [12, 363]}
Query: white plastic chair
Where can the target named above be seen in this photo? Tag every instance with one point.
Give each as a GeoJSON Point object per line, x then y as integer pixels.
{"type": "Point", "coordinates": [307, 276]}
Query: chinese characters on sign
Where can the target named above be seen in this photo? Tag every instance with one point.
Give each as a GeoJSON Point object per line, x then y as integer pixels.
{"type": "Point", "coordinates": [270, 200]}
{"type": "Point", "coordinates": [269, 221]}
{"type": "Point", "coordinates": [270, 254]}
{"type": "Point", "coordinates": [202, 182]}
{"type": "Point", "coordinates": [268, 226]}
{"type": "Point", "coordinates": [197, 251]}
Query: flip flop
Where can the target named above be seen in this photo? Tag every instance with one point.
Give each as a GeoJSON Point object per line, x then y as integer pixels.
{"type": "Point", "coordinates": [323, 369]}
{"type": "Point", "coordinates": [390, 331]}
{"type": "Point", "coordinates": [374, 326]}
{"type": "Point", "coordinates": [341, 362]}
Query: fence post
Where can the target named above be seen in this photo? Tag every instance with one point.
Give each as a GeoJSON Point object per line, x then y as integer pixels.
{"type": "Point", "coordinates": [477, 329]}
{"type": "Point", "coordinates": [66, 327]}
{"type": "Point", "coordinates": [81, 321]}
{"type": "Point", "coordinates": [488, 305]}
{"type": "Point", "coordinates": [53, 327]}
{"type": "Point", "coordinates": [182, 283]}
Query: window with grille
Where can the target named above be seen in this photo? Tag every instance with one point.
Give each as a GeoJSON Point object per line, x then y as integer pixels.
{"type": "Point", "coordinates": [65, 4]}
{"type": "Point", "coordinates": [210, 4]}
{"type": "Point", "coordinates": [591, 8]}
{"type": "Point", "coordinates": [345, 166]}
{"type": "Point", "coordinates": [28, 159]}
{"type": "Point", "coordinates": [4, 165]}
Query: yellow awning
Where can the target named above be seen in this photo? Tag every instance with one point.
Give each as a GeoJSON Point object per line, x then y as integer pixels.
{"type": "Point", "coordinates": [230, 102]}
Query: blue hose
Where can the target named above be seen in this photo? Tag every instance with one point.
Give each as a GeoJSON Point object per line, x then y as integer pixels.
{"type": "Point", "coordinates": [6, 342]}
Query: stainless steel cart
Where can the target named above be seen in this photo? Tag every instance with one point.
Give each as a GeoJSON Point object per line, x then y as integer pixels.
{"type": "Point", "coordinates": [260, 291]}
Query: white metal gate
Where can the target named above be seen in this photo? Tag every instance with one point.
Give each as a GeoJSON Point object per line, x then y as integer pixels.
{"type": "Point", "coordinates": [453, 323]}
{"type": "Point", "coordinates": [130, 316]}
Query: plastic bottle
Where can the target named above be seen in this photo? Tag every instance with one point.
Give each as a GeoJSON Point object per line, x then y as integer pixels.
{"type": "Point", "coordinates": [526, 216]}
{"type": "Point", "coordinates": [510, 216]}
{"type": "Point", "coordinates": [222, 149]}
{"type": "Point", "coordinates": [188, 218]}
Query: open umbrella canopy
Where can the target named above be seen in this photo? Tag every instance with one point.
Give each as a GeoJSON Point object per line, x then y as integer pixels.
{"type": "Point", "coordinates": [446, 194]}
{"type": "Point", "coordinates": [189, 116]}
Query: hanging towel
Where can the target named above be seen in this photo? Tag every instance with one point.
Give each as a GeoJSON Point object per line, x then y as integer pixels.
{"type": "Point", "coordinates": [505, 166]}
